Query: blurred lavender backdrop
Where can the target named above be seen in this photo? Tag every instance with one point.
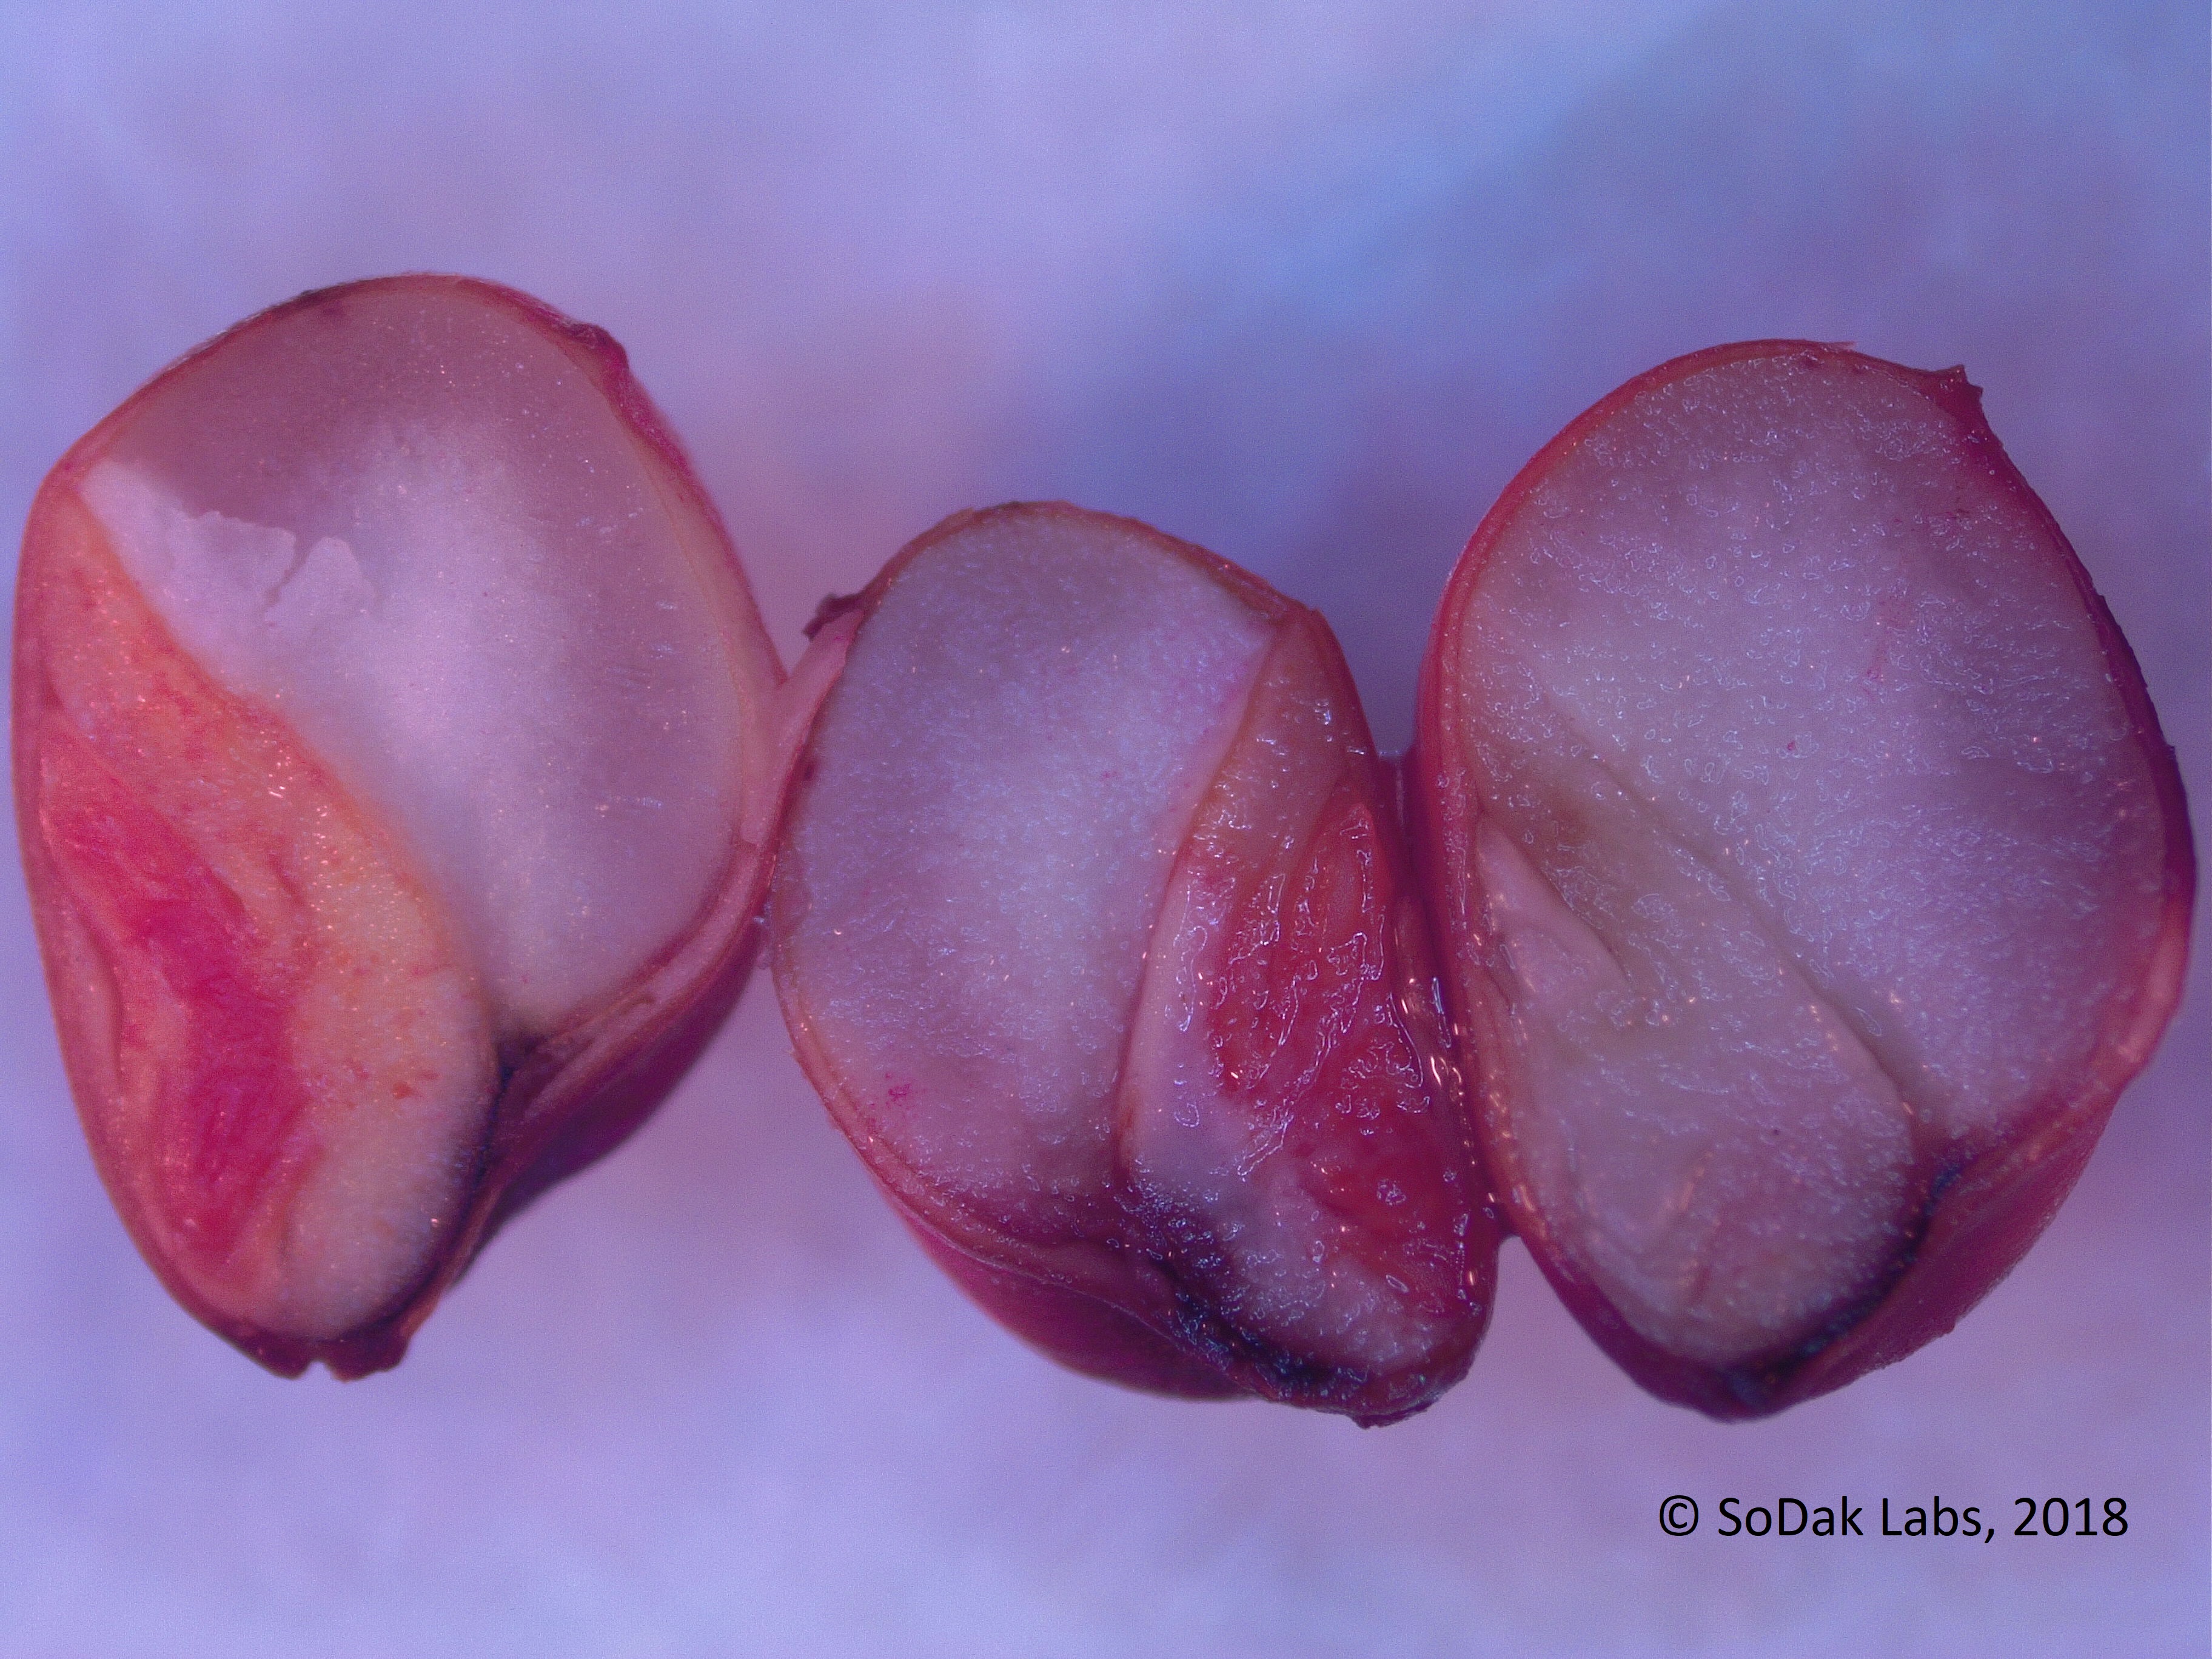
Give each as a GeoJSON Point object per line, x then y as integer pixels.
{"type": "Point", "coordinates": [1305, 282]}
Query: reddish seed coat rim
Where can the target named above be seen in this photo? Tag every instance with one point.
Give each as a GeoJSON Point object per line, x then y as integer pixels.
{"type": "Point", "coordinates": [581, 1091]}
{"type": "Point", "coordinates": [1054, 1299]}
{"type": "Point", "coordinates": [1988, 1215]}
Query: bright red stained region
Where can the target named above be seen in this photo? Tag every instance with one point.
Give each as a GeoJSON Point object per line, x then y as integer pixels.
{"type": "Point", "coordinates": [1307, 1028]}
{"type": "Point", "coordinates": [226, 1102]}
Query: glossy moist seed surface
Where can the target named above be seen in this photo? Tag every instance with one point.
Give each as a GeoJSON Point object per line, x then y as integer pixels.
{"type": "Point", "coordinates": [388, 703]}
{"type": "Point", "coordinates": [420, 534]}
{"type": "Point", "coordinates": [1818, 847]}
{"type": "Point", "coordinates": [1812, 868]}
{"type": "Point", "coordinates": [1093, 926]}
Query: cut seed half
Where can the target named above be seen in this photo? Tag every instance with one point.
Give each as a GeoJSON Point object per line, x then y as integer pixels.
{"type": "Point", "coordinates": [394, 756]}
{"type": "Point", "coordinates": [1092, 928]}
{"type": "Point", "coordinates": [1811, 871]}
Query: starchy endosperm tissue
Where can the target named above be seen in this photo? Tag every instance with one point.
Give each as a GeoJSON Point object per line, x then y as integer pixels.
{"type": "Point", "coordinates": [1787, 877]}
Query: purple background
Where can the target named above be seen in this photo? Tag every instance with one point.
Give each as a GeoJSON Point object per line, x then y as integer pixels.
{"type": "Point", "coordinates": [1301, 281]}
